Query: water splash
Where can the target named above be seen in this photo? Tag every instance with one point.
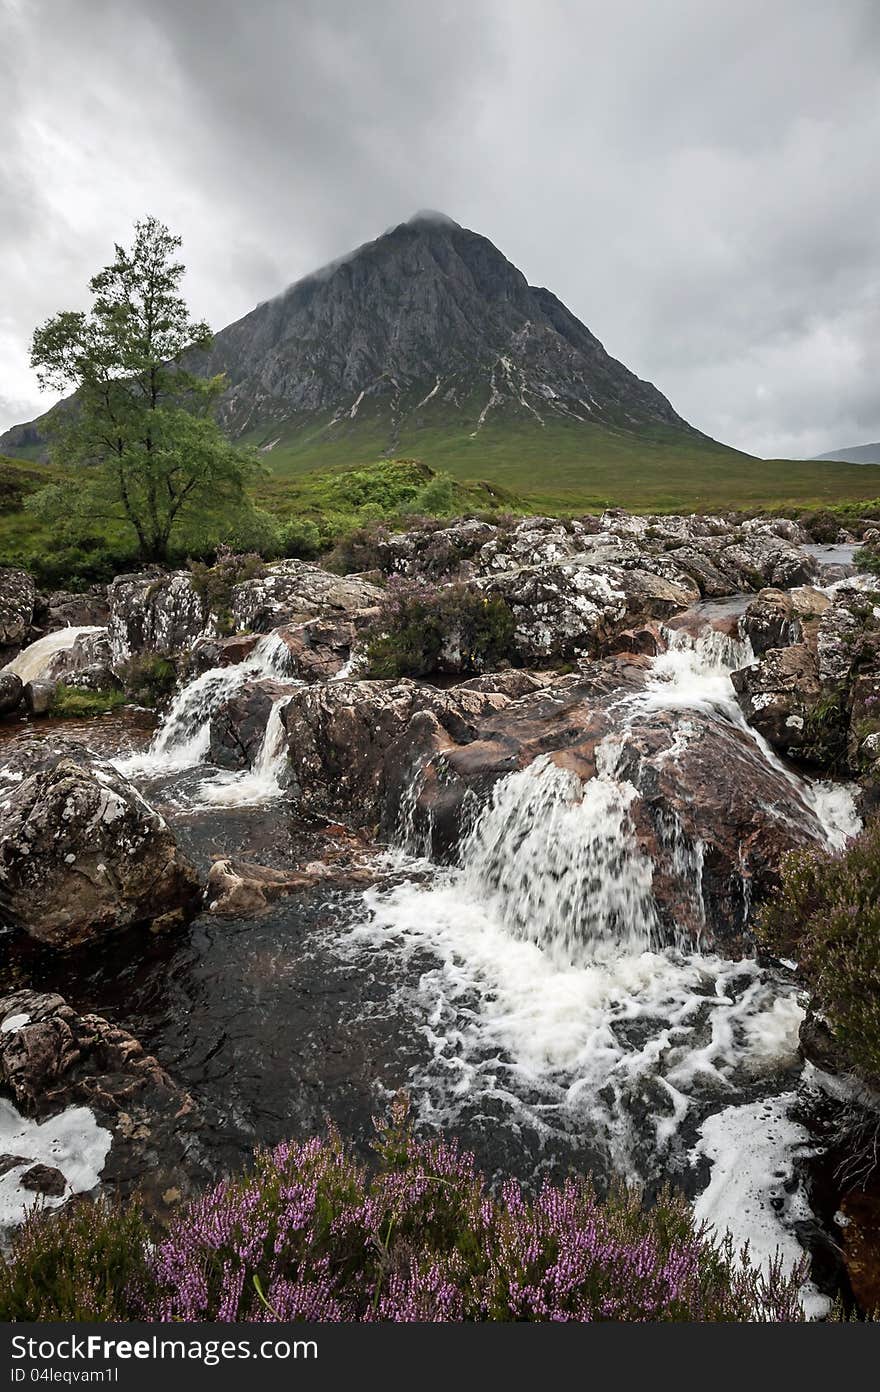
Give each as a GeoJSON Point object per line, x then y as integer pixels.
{"type": "Point", "coordinates": [555, 860]}
{"type": "Point", "coordinates": [263, 782]}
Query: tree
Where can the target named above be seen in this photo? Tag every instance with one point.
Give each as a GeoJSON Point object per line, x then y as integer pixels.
{"type": "Point", "coordinates": [140, 423]}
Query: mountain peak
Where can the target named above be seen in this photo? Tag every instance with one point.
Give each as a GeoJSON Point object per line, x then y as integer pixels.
{"type": "Point", "coordinates": [426, 343]}
{"type": "Point", "coordinates": [431, 217]}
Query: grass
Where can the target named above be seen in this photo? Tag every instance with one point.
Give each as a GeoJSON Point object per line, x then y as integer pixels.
{"type": "Point", "coordinates": [306, 509]}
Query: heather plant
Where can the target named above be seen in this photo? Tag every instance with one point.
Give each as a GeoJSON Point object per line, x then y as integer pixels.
{"type": "Point", "coordinates": [426, 629]}
{"type": "Point", "coordinates": [827, 915]}
{"type": "Point", "coordinates": [214, 584]}
{"type": "Point", "coordinates": [312, 1234]}
{"type": "Point", "coordinates": [85, 1262]}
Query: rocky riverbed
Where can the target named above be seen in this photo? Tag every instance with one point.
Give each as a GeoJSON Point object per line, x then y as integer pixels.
{"type": "Point", "coordinates": [524, 894]}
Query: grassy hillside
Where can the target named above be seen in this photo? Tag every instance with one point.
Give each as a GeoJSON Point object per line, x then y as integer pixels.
{"type": "Point", "coordinates": [568, 466]}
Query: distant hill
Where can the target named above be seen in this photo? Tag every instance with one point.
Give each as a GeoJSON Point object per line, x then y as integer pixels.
{"type": "Point", "coordinates": [856, 454]}
{"type": "Point", "coordinates": [428, 342]}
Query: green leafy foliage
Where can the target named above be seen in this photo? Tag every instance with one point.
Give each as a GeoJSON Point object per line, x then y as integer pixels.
{"type": "Point", "coordinates": [827, 915]}
{"type": "Point", "coordinates": [140, 425]}
{"type": "Point", "coordinates": [426, 629]}
{"type": "Point", "coordinates": [148, 679]}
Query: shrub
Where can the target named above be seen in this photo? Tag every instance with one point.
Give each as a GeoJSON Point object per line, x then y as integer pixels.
{"type": "Point", "coordinates": [426, 629]}
{"type": "Point", "coordinates": [827, 915]}
{"type": "Point", "coordinates": [148, 679]}
{"type": "Point", "coordinates": [301, 538]}
{"type": "Point", "coordinates": [85, 1262]}
{"type": "Point", "coordinates": [313, 1235]}
{"type": "Point", "coordinates": [74, 701]}
{"type": "Point", "coordinates": [358, 550]}
{"type": "Point", "coordinates": [868, 558]}
{"type": "Point", "coordinates": [822, 525]}
{"type": "Point", "coordinates": [214, 584]}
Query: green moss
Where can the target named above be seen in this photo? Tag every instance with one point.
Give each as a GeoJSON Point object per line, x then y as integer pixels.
{"type": "Point", "coordinates": [77, 703]}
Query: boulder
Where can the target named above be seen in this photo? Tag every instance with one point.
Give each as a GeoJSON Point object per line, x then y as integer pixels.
{"type": "Point", "coordinates": [435, 555]}
{"type": "Point", "coordinates": [568, 610]}
{"type": "Point", "coordinates": [86, 665]}
{"type": "Point", "coordinates": [238, 726]}
{"type": "Point", "coordinates": [52, 1058]}
{"type": "Point", "coordinates": [154, 612]}
{"type": "Point", "coordinates": [337, 735]}
{"type": "Point", "coordinates": [762, 559]}
{"type": "Point", "coordinates": [320, 649]}
{"type": "Point", "coordinates": [11, 691]}
{"type": "Point", "coordinates": [779, 697]}
{"type": "Point", "coordinates": [17, 598]}
{"type": "Point", "coordinates": [83, 855]}
{"type": "Point", "coordinates": [38, 697]}
{"type": "Point", "coordinates": [770, 622]}
{"type": "Point", "coordinates": [65, 609]}
{"type": "Point", "coordinates": [292, 592]}
{"type": "Point", "coordinates": [238, 889]}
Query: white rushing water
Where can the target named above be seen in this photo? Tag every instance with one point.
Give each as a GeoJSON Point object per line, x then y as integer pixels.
{"type": "Point", "coordinates": [71, 1142]}
{"type": "Point", "coordinates": [547, 999]}
{"type": "Point", "coordinates": [183, 739]}
{"type": "Point", "coordinates": [32, 661]}
{"type": "Point", "coordinates": [259, 784]}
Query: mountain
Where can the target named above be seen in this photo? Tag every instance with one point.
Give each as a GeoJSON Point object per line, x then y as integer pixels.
{"type": "Point", "coordinates": [856, 454]}
{"type": "Point", "coordinates": [429, 342]}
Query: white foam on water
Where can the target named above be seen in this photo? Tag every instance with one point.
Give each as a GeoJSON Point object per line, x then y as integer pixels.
{"type": "Point", "coordinates": [257, 785]}
{"type": "Point", "coordinates": [71, 1142]}
{"type": "Point", "coordinates": [32, 661]}
{"type": "Point", "coordinates": [183, 739]}
{"type": "Point", "coordinates": [753, 1192]}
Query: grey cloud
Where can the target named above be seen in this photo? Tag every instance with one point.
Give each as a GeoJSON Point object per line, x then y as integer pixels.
{"type": "Point", "coordinates": [695, 179]}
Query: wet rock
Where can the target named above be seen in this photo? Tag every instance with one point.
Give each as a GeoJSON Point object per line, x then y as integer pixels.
{"type": "Point", "coordinates": [38, 697]}
{"type": "Point", "coordinates": [770, 622]}
{"type": "Point", "coordinates": [65, 609]}
{"type": "Point", "coordinates": [11, 692]}
{"type": "Point", "coordinates": [762, 559]}
{"type": "Point", "coordinates": [44, 1179]}
{"type": "Point", "coordinates": [86, 665]}
{"type": "Point", "coordinates": [17, 598]}
{"type": "Point", "coordinates": [83, 855]}
{"type": "Point", "coordinates": [154, 612]}
{"type": "Point", "coordinates": [239, 888]}
{"type": "Point", "coordinates": [567, 610]}
{"type": "Point", "coordinates": [435, 555]}
{"type": "Point", "coordinates": [702, 567]}
{"type": "Point", "coordinates": [648, 639]}
{"type": "Point", "coordinates": [337, 736]}
{"type": "Point", "coordinates": [292, 592]}
{"type": "Point", "coordinates": [320, 649]}
{"type": "Point", "coordinates": [239, 725]}
{"type": "Point", "coordinates": [779, 697]}
{"type": "Point", "coordinates": [54, 1058]}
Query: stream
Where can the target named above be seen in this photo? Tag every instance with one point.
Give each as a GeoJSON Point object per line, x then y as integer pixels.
{"type": "Point", "coordinates": [523, 997]}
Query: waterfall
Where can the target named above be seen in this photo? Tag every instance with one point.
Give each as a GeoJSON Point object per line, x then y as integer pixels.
{"type": "Point", "coordinates": [183, 739]}
{"type": "Point", "coordinates": [263, 781]}
{"type": "Point", "coordinates": [555, 860]}
{"type": "Point", "coordinates": [33, 660]}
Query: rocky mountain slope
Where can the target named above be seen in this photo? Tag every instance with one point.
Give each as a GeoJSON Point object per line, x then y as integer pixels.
{"type": "Point", "coordinates": [426, 338]}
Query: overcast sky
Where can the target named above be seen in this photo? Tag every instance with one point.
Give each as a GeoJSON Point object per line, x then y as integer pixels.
{"type": "Point", "coordinates": [696, 179]}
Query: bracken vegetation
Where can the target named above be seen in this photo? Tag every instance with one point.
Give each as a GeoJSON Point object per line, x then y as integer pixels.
{"type": "Point", "coordinates": [313, 1235]}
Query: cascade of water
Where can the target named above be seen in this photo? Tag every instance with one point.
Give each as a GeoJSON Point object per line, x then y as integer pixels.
{"type": "Point", "coordinates": [555, 860]}
{"type": "Point", "coordinates": [263, 781]}
{"type": "Point", "coordinates": [183, 738]}
{"type": "Point", "coordinates": [32, 661]}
